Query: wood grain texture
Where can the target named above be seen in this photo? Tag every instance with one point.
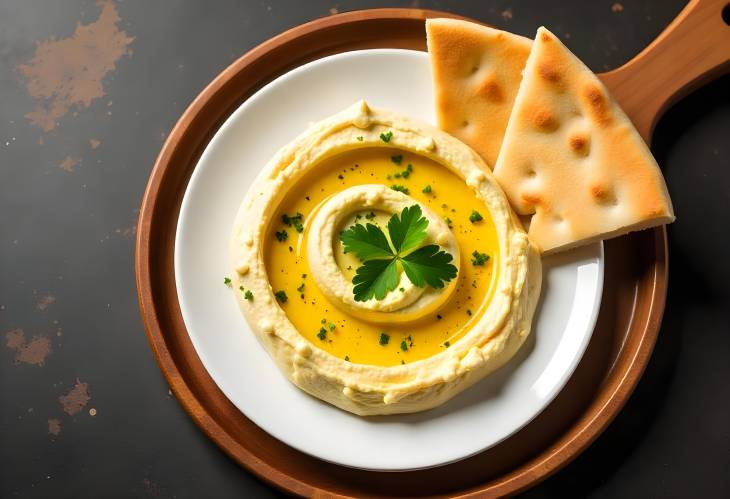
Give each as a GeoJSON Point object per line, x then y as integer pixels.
{"type": "Point", "coordinates": [631, 311]}
{"type": "Point", "coordinates": [691, 51]}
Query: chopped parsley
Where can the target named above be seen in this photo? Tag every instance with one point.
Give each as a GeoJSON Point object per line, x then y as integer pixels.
{"type": "Point", "coordinates": [332, 326]}
{"type": "Point", "coordinates": [383, 258]}
{"type": "Point", "coordinates": [322, 335]}
{"type": "Point", "coordinates": [385, 137]}
{"type": "Point", "coordinates": [404, 345]}
{"type": "Point", "coordinates": [248, 295]}
{"type": "Point", "coordinates": [384, 339]}
{"type": "Point", "coordinates": [447, 344]}
{"type": "Point", "coordinates": [370, 215]}
{"type": "Point", "coordinates": [426, 189]}
{"type": "Point", "coordinates": [300, 288]}
{"type": "Point", "coordinates": [240, 287]}
{"type": "Point", "coordinates": [405, 173]}
{"type": "Point", "coordinates": [227, 281]}
{"type": "Point", "coordinates": [281, 296]}
{"type": "Point", "coordinates": [479, 259]}
{"type": "Point", "coordinates": [449, 223]}
{"type": "Point", "coordinates": [281, 235]}
{"type": "Point", "coordinates": [475, 217]}
{"type": "Point", "coordinates": [347, 358]}
{"type": "Point", "coordinates": [359, 138]}
{"type": "Point", "coordinates": [397, 159]}
{"type": "Point", "coordinates": [400, 188]}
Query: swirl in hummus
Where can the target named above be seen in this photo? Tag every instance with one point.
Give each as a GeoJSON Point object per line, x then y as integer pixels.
{"type": "Point", "coordinates": [416, 346]}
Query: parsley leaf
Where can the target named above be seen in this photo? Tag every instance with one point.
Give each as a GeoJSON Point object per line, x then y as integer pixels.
{"type": "Point", "coordinates": [427, 189]}
{"type": "Point", "coordinates": [366, 241]}
{"type": "Point", "coordinates": [400, 188]}
{"type": "Point", "coordinates": [385, 137]}
{"type": "Point", "coordinates": [281, 296]}
{"type": "Point", "coordinates": [248, 295]}
{"type": "Point", "coordinates": [384, 339]}
{"type": "Point", "coordinates": [227, 281]}
{"type": "Point", "coordinates": [408, 230]}
{"type": "Point", "coordinates": [383, 258]}
{"type": "Point", "coordinates": [374, 279]}
{"type": "Point", "coordinates": [397, 159]}
{"type": "Point", "coordinates": [429, 265]}
{"type": "Point", "coordinates": [475, 216]}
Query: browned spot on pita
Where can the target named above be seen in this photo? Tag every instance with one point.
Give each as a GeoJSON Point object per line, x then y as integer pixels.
{"type": "Point", "coordinates": [530, 198]}
{"type": "Point", "coordinates": [54, 427]}
{"type": "Point", "coordinates": [597, 103]}
{"type": "Point", "coordinates": [94, 143]}
{"type": "Point", "coordinates": [544, 119]}
{"type": "Point", "coordinates": [545, 37]}
{"type": "Point", "coordinates": [76, 399]}
{"type": "Point", "coordinates": [603, 194]}
{"type": "Point", "coordinates": [32, 352]}
{"type": "Point", "coordinates": [578, 143]}
{"type": "Point", "coordinates": [489, 89]}
{"type": "Point", "coordinates": [549, 72]}
{"type": "Point", "coordinates": [69, 72]}
{"type": "Point", "coordinates": [69, 163]}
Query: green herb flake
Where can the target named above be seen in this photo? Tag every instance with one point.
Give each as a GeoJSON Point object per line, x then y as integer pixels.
{"type": "Point", "coordinates": [240, 287]}
{"type": "Point", "coordinates": [281, 296]}
{"type": "Point", "coordinates": [332, 326]}
{"type": "Point", "coordinates": [397, 159]}
{"type": "Point", "coordinates": [447, 344]}
{"type": "Point", "coordinates": [384, 339]}
{"type": "Point", "coordinates": [248, 295]}
{"type": "Point", "coordinates": [426, 189]}
{"type": "Point", "coordinates": [227, 281]}
{"type": "Point", "coordinates": [449, 223]}
{"type": "Point", "coordinates": [300, 288]}
{"type": "Point", "coordinates": [322, 335]}
{"type": "Point", "coordinates": [400, 188]}
{"type": "Point", "coordinates": [404, 345]}
{"type": "Point", "coordinates": [479, 259]}
{"type": "Point", "coordinates": [370, 215]}
{"type": "Point", "coordinates": [385, 137]}
{"type": "Point", "coordinates": [281, 235]}
{"type": "Point", "coordinates": [475, 217]}
{"type": "Point", "coordinates": [347, 358]}
{"type": "Point", "coordinates": [323, 321]}
{"type": "Point", "coordinates": [359, 138]}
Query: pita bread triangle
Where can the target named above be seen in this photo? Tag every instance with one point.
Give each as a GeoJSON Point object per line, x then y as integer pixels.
{"type": "Point", "coordinates": [476, 74]}
{"type": "Point", "coordinates": [572, 159]}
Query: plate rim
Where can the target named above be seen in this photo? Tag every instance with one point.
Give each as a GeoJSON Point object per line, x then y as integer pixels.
{"type": "Point", "coordinates": [621, 378]}
{"type": "Point", "coordinates": [282, 435]}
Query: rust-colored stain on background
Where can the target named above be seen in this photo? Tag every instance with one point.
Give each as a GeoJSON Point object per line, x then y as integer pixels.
{"type": "Point", "coordinates": [54, 427]}
{"type": "Point", "coordinates": [69, 163]}
{"type": "Point", "coordinates": [45, 301]}
{"type": "Point", "coordinates": [32, 352]}
{"type": "Point", "coordinates": [69, 72]}
{"type": "Point", "coordinates": [76, 399]}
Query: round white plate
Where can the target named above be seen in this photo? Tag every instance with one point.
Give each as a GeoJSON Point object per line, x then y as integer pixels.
{"type": "Point", "coordinates": [471, 422]}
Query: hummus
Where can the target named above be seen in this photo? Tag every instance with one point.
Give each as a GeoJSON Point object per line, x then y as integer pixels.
{"type": "Point", "coordinates": [416, 346]}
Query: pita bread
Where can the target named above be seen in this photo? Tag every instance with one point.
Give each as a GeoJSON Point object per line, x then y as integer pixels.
{"type": "Point", "coordinates": [476, 74]}
{"type": "Point", "coordinates": [572, 158]}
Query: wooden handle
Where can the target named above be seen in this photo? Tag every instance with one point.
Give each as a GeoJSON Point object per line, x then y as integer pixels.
{"type": "Point", "coordinates": [692, 50]}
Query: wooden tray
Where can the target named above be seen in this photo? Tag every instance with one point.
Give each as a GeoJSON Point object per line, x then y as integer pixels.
{"type": "Point", "coordinates": [634, 288]}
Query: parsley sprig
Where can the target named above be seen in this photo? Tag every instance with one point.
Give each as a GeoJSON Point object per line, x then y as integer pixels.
{"type": "Point", "coordinates": [383, 257]}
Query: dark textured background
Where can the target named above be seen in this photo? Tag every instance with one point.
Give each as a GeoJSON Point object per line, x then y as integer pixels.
{"type": "Point", "coordinates": [66, 256]}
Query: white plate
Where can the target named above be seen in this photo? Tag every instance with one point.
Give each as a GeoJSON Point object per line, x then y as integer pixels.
{"type": "Point", "coordinates": [475, 420]}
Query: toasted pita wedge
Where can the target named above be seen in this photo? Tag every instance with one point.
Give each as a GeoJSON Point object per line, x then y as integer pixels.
{"type": "Point", "coordinates": [572, 159]}
{"type": "Point", "coordinates": [476, 74]}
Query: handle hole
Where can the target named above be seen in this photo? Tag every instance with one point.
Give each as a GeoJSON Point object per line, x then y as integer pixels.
{"type": "Point", "coordinates": [726, 14]}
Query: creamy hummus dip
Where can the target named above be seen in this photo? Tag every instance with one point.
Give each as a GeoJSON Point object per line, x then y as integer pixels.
{"type": "Point", "coordinates": [412, 345]}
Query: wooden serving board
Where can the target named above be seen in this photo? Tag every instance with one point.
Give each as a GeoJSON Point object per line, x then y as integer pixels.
{"type": "Point", "coordinates": [693, 49]}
